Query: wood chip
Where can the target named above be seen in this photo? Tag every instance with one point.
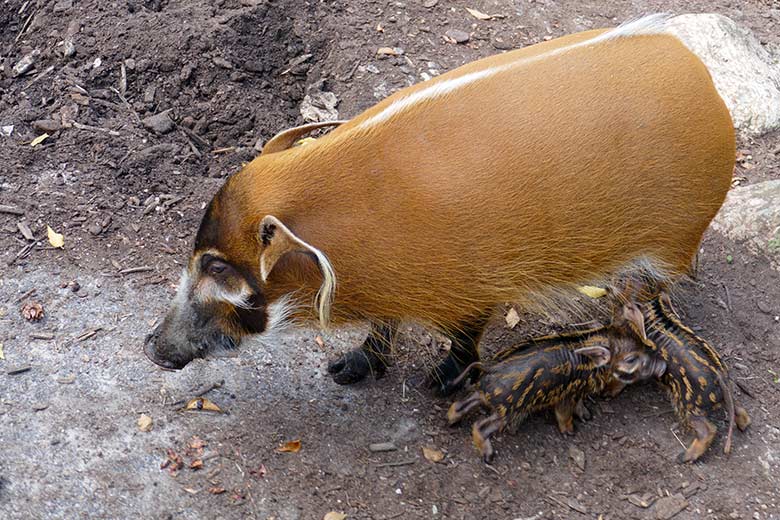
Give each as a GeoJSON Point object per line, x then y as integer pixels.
{"type": "Point", "coordinates": [18, 370]}
{"type": "Point", "coordinates": [379, 447]}
{"type": "Point", "coordinates": [13, 210]}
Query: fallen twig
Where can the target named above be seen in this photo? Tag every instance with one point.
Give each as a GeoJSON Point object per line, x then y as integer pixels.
{"type": "Point", "coordinates": [84, 336]}
{"type": "Point", "coordinates": [23, 252]}
{"type": "Point", "coordinates": [141, 269]}
{"type": "Point", "coordinates": [81, 126]}
{"type": "Point", "coordinates": [395, 464]}
{"type": "Point", "coordinates": [26, 295]}
{"type": "Point", "coordinates": [201, 392]}
{"type": "Point", "coordinates": [13, 210]}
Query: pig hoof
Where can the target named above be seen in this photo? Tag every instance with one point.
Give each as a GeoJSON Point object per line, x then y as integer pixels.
{"type": "Point", "coordinates": [441, 378]}
{"type": "Point", "coordinates": [354, 366]}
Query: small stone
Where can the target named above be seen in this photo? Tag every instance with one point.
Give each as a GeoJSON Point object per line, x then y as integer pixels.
{"type": "Point", "coordinates": [428, 4]}
{"type": "Point", "coordinates": [577, 456]}
{"type": "Point", "coordinates": [63, 5]}
{"type": "Point", "coordinates": [145, 423]}
{"type": "Point", "coordinates": [669, 507]}
{"type": "Point", "coordinates": [68, 48]}
{"type": "Point", "coordinates": [159, 123]}
{"type": "Point", "coordinates": [47, 125]}
{"type": "Point", "coordinates": [26, 63]}
{"type": "Point", "coordinates": [379, 447]}
{"type": "Point", "coordinates": [95, 228]}
{"type": "Point", "coordinates": [372, 68]}
{"type": "Point", "coordinates": [259, 144]}
{"type": "Point", "coordinates": [457, 35]}
{"type": "Point", "coordinates": [643, 501]}
{"type": "Point", "coordinates": [501, 44]}
{"type": "Point", "coordinates": [149, 94]}
{"type": "Point", "coordinates": [525, 466]}
{"type": "Point", "coordinates": [39, 406]}
{"type": "Point", "coordinates": [221, 62]}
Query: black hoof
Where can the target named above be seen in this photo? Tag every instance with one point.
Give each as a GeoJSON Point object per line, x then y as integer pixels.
{"type": "Point", "coordinates": [355, 365]}
{"type": "Point", "coordinates": [441, 379]}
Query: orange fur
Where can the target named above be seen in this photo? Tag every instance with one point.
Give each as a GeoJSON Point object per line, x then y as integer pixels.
{"type": "Point", "coordinates": [553, 173]}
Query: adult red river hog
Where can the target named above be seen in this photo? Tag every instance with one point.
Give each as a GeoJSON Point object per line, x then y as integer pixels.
{"type": "Point", "coordinates": [514, 178]}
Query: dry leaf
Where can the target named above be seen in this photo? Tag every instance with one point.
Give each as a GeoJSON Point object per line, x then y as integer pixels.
{"type": "Point", "coordinates": [173, 463]}
{"type": "Point", "coordinates": [592, 291]}
{"type": "Point", "coordinates": [145, 423]}
{"type": "Point", "coordinates": [191, 491]}
{"type": "Point", "coordinates": [290, 447]}
{"type": "Point", "coordinates": [55, 239]}
{"type": "Point", "coordinates": [201, 403]}
{"type": "Point", "coordinates": [196, 443]}
{"type": "Point", "coordinates": [478, 14]}
{"type": "Point", "coordinates": [387, 51]}
{"type": "Point", "coordinates": [334, 515]}
{"type": "Point", "coordinates": [432, 454]}
{"type": "Point", "coordinates": [305, 140]}
{"type": "Point", "coordinates": [38, 140]}
{"type": "Point", "coordinates": [319, 341]}
{"type": "Point", "coordinates": [512, 318]}
{"type": "Point", "coordinates": [216, 490]}
{"type": "Point", "coordinates": [32, 311]}
{"type": "Point", "coordinates": [196, 464]}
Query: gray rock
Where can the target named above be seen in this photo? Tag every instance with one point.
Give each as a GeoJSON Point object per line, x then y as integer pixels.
{"type": "Point", "coordinates": [319, 106]}
{"type": "Point", "coordinates": [26, 63]}
{"type": "Point", "coordinates": [746, 75]}
{"type": "Point", "coordinates": [47, 125]}
{"type": "Point", "coordinates": [458, 36]}
{"type": "Point", "coordinates": [669, 507]}
{"type": "Point", "coordinates": [63, 5]}
{"type": "Point", "coordinates": [752, 214]}
{"type": "Point", "coordinates": [159, 123]}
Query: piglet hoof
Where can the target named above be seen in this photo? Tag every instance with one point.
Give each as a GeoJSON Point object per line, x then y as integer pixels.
{"type": "Point", "coordinates": [582, 412]}
{"type": "Point", "coordinates": [354, 366]}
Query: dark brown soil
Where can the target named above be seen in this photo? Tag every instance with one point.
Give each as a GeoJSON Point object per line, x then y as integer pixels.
{"type": "Point", "coordinates": [233, 72]}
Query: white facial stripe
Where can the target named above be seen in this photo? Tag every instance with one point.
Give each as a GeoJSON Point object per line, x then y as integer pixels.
{"type": "Point", "coordinates": [183, 290]}
{"type": "Point", "coordinates": [652, 24]}
{"type": "Point", "coordinates": [209, 290]}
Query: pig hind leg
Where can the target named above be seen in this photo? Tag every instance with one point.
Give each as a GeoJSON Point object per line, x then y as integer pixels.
{"type": "Point", "coordinates": [463, 352]}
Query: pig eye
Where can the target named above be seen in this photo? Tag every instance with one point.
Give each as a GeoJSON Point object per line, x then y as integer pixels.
{"type": "Point", "coordinates": [213, 266]}
{"type": "Point", "coordinates": [216, 267]}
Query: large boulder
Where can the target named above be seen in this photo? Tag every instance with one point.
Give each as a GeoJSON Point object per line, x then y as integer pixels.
{"type": "Point", "coordinates": [751, 214]}
{"type": "Point", "coordinates": [746, 75]}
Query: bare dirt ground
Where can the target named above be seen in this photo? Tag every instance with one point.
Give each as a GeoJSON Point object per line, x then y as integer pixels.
{"type": "Point", "coordinates": [128, 199]}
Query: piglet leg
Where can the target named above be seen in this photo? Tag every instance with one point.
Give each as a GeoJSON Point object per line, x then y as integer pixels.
{"type": "Point", "coordinates": [481, 432]}
{"type": "Point", "coordinates": [705, 433]}
{"type": "Point", "coordinates": [564, 414]}
{"type": "Point", "coordinates": [742, 418]}
{"type": "Point", "coordinates": [461, 408]}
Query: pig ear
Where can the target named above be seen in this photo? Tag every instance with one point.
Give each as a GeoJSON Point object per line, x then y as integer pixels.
{"type": "Point", "coordinates": [285, 139]}
{"type": "Point", "coordinates": [599, 355]}
{"type": "Point", "coordinates": [635, 319]}
{"type": "Point", "coordinates": [277, 240]}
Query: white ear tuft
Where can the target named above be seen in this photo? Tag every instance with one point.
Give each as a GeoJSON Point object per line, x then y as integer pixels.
{"type": "Point", "coordinates": [277, 240]}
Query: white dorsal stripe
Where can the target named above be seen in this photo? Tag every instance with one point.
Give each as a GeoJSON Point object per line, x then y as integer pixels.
{"type": "Point", "coordinates": [651, 24]}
